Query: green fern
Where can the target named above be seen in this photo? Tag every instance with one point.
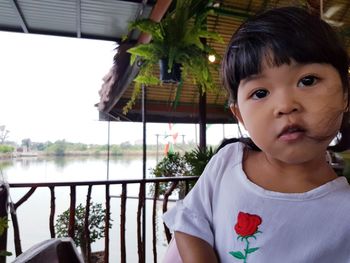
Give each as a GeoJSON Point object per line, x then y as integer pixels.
{"type": "Point", "coordinates": [179, 38]}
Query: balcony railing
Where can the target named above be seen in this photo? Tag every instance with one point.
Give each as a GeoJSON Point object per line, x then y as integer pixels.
{"type": "Point", "coordinates": [173, 183]}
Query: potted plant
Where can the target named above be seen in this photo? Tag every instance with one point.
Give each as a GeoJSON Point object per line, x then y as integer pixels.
{"type": "Point", "coordinates": [96, 225]}
{"type": "Point", "coordinates": [179, 41]}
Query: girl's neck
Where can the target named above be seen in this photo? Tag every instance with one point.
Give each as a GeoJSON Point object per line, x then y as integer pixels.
{"type": "Point", "coordinates": [289, 178]}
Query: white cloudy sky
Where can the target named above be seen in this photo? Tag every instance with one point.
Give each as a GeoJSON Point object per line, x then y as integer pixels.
{"type": "Point", "coordinates": [48, 88]}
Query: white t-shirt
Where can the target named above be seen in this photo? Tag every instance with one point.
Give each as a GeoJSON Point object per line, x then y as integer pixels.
{"type": "Point", "coordinates": [246, 223]}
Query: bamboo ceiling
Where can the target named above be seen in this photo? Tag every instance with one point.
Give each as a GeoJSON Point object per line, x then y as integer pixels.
{"type": "Point", "coordinates": [160, 99]}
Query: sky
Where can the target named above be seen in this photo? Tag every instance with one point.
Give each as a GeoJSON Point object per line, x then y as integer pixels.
{"type": "Point", "coordinates": [49, 86]}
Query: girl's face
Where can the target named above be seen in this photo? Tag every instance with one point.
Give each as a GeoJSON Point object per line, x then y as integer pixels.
{"type": "Point", "coordinates": [292, 112]}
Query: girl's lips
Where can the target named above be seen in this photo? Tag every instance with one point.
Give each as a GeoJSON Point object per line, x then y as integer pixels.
{"type": "Point", "coordinates": [291, 133]}
{"type": "Point", "coordinates": [293, 136]}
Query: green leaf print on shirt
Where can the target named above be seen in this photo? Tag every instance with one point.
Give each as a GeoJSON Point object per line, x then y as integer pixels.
{"type": "Point", "coordinates": [246, 227]}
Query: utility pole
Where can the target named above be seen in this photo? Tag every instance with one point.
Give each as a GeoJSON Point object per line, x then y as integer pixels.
{"type": "Point", "coordinates": [183, 139]}
{"type": "Point", "coordinates": [157, 135]}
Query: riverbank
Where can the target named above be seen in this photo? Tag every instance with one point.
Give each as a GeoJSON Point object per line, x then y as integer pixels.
{"type": "Point", "coordinates": [96, 151]}
{"type": "Point", "coordinates": [126, 153]}
{"type": "Point", "coordinates": [64, 148]}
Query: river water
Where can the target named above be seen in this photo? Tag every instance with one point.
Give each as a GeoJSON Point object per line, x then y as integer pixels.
{"type": "Point", "coordinates": [33, 215]}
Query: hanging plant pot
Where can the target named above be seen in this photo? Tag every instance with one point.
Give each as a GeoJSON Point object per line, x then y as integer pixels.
{"type": "Point", "coordinates": [174, 76]}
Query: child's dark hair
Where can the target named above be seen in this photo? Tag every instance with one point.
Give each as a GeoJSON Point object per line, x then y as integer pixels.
{"type": "Point", "coordinates": [281, 35]}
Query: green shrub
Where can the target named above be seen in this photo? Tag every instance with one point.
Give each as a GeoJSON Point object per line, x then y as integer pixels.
{"type": "Point", "coordinates": [197, 159]}
{"type": "Point", "coordinates": [171, 165]}
{"type": "Point", "coordinates": [58, 148]}
{"type": "Point", "coordinates": [6, 148]}
{"type": "Point", "coordinates": [96, 224]}
{"type": "Point", "coordinates": [3, 227]}
{"type": "Point", "coordinates": [192, 163]}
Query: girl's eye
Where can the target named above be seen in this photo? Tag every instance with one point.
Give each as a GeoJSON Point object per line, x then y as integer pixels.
{"type": "Point", "coordinates": [307, 81]}
{"type": "Point", "coordinates": [260, 94]}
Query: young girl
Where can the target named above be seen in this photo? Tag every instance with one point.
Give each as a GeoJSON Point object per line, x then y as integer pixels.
{"type": "Point", "coordinates": [275, 198]}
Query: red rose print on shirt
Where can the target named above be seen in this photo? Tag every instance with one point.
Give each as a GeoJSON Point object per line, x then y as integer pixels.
{"type": "Point", "coordinates": [247, 226]}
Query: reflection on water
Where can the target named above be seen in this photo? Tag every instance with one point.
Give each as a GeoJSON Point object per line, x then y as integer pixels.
{"type": "Point", "coordinates": [34, 222]}
{"type": "Point", "coordinates": [4, 164]}
{"type": "Point", "coordinates": [83, 168]}
{"type": "Point", "coordinates": [60, 162]}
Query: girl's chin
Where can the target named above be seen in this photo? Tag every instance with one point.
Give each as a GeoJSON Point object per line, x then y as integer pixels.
{"type": "Point", "coordinates": [300, 155]}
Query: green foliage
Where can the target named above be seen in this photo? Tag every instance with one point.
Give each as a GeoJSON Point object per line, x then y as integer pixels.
{"type": "Point", "coordinates": [3, 224]}
{"type": "Point", "coordinates": [96, 223]}
{"type": "Point", "coordinates": [58, 148]}
{"type": "Point", "coordinates": [181, 37]}
{"type": "Point", "coordinates": [192, 163]}
{"type": "Point", "coordinates": [77, 147]}
{"type": "Point", "coordinates": [4, 253]}
{"type": "Point", "coordinates": [115, 150]}
{"type": "Point", "coordinates": [171, 165]}
{"type": "Point", "coordinates": [197, 159]}
{"type": "Point", "coordinates": [63, 148]}
{"type": "Point", "coordinates": [6, 148]}
{"type": "Point", "coordinates": [3, 227]}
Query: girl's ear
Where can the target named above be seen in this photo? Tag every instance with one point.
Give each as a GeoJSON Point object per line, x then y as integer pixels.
{"type": "Point", "coordinates": [236, 112]}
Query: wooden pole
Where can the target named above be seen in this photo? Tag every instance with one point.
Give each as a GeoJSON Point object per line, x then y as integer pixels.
{"type": "Point", "coordinates": [3, 214]}
{"type": "Point", "coordinates": [202, 120]}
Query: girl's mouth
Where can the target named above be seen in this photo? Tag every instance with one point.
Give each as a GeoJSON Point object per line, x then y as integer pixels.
{"type": "Point", "coordinates": [291, 133]}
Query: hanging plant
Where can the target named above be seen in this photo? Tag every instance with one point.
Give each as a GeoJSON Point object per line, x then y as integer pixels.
{"type": "Point", "coordinates": [181, 38]}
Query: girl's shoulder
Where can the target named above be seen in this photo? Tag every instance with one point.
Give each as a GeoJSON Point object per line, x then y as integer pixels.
{"type": "Point", "coordinates": [233, 150]}
{"type": "Point", "coordinates": [228, 155]}
{"type": "Point", "coordinates": [226, 162]}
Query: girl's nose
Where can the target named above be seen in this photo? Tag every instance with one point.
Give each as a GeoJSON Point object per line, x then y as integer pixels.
{"type": "Point", "coordinates": [285, 105]}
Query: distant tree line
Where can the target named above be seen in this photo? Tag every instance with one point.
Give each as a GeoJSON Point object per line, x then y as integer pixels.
{"type": "Point", "coordinates": [6, 148]}
{"type": "Point", "coordinates": [62, 148]}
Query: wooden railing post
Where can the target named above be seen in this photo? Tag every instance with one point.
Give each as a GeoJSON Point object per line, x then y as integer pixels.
{"type": "Point", "coordinates": [154, 221]}
{"type": "Point", "coordinates": [86, 225]}
{"type": "Point", "coordinates": [140, 244]}
{"type": "Point", "coordinates": [122, 224]}
{"type": "Point", "coordinates": [52, 212]}
{"type": "Point", "coordinates": [71, 226]}
{"type": "Point", "coordinates": [107, 223]}
{"type": "Point", "coordinates": [17, 237]}
{"type": "Point", "coordinates": [4, 215]}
